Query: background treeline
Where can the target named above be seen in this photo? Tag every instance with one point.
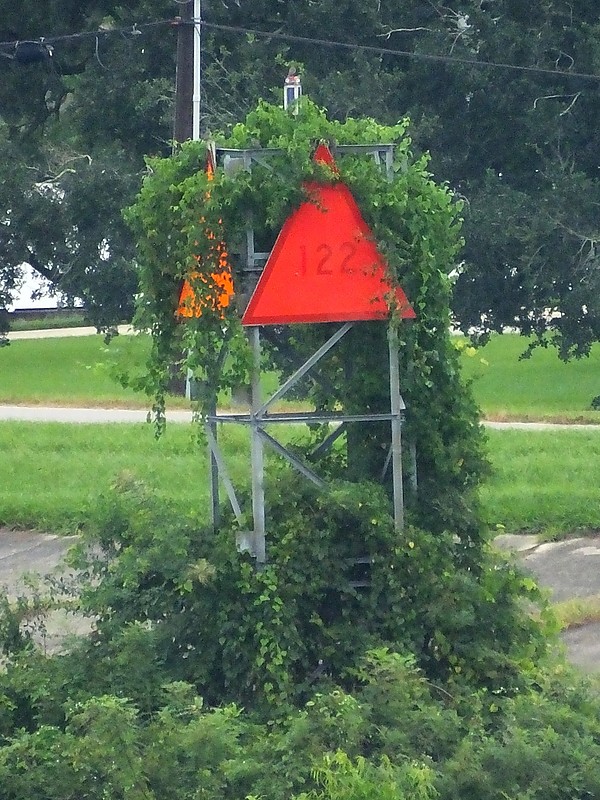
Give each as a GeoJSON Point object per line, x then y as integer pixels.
{"type": "Point", "coordinates": [518, 146]}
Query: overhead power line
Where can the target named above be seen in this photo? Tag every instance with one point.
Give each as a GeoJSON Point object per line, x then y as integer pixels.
{"type": "Point", "coordinates": [314, 41]}
{"type": "Point", "coordinates": [136, 28]}
{"type": "Point", "coordinates": [393, 52]}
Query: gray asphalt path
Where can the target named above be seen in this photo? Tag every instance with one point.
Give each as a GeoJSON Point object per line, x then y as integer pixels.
{"type": "Point", "coordinates": [29, 553]}
{"type": "Point", "coordinates": [542, 426]}
{"type": "Point", "coordinates": [569, 569]}
{"type": "Point", "coordinates": [61, 333]}
{"type": "Point", "coordinates": [84, 415]}
{"type": "Point", "coordinates": [101, 415]}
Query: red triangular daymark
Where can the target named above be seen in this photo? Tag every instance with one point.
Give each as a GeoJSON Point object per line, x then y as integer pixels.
{"type": "Point", "coordinates": [322, 155]}
{"type": "Point", "coordinates": [325, 266]}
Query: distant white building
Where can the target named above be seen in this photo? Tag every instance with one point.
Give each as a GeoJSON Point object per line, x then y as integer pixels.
{"type": "Point", "coordinates": [34, 284]}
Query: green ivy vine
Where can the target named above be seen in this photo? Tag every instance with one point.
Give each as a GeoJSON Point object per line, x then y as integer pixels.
{"type": "Point", "coordinates": [416, 224]}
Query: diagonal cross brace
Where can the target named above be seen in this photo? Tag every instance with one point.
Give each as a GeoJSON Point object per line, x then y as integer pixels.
{"type": "Point", "coordinates": [306, 367]}
{"type": "Point", "coordinates": [288, 351]}
{"type": "Point", "coordinates": [224, 474]}
{"type": "Point", "coordinates": [293, 460]}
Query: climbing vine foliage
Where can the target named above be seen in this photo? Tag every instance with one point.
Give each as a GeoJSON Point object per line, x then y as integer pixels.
{"type": "Point", "coordinates": [182, 211]}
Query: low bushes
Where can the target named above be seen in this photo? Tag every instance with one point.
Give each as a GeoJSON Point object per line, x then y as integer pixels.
{"type": "Point", "coordinates": [207, 679]}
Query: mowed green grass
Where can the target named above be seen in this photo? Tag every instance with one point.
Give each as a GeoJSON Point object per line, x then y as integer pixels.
{"type": "Point", "coordinates": [541, 387]}
{"type": "Point", "coordinates": [542, 481]}
{"type": "Point", "coordinates": [52, 472]}
{"type": "Point", "coordinates": [73, 371]}
{"type": "Point", "coordinates": [81, 372]}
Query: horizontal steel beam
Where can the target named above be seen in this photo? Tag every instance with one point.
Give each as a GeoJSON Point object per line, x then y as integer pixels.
{"type": "Point", "coordinates": [304, 416]}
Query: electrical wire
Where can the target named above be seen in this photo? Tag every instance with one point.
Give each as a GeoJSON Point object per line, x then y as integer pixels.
{"type": "Point", "coordinates": [389, 51]}
{"type": "Point", "coordinates": [135, 28]}
{"type": "Point", "coordinates": [382, 51]}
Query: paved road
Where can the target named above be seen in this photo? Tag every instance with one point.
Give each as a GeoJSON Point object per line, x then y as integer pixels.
{"type": "Point", "coordinates": [61, 333]}
{"type": "Point", "coordinates": [98, 415]}
{"type": "Point", "coordinates": [84, 415]}
{"type": "Point", "coordinates": [542, 426]}
{"type": "Point", "coordinates": [569, 569]}
{"type": "Point", "coordinates": [29, 553]}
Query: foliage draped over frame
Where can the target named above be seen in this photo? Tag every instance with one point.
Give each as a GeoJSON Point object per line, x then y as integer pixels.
{"type": "Point", "coordinates": [416, 224]}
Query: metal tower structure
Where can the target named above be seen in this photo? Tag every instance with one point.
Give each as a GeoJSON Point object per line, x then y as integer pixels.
{"type": "Point", "coordinates": [260, 414]}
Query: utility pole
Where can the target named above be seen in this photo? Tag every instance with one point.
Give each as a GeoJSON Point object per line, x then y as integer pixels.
{"type": "Point", "coordinates": [197, 94]}
{"type": "Point", "coordinates": [184, 90]}
{"type": "Point", "coordinates": [184, 76]}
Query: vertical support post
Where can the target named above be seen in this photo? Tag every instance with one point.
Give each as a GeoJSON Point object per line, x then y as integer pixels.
{"type": "Point", "coordinates": [389, 164]}
{"type": "Point", "coordinates": [257, 454]}
{"type": "Point", "coordinates": [396, 408]}
{"type": "Point", "coordinates": [214, 476]}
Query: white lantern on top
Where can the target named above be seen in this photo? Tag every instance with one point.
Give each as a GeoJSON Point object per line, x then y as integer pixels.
{"type": "Point", "coordinates": [292, 91]}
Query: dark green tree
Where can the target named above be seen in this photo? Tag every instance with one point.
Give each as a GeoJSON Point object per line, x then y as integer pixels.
{"type": "Point", "coordinates": [75, 124]}
{"type": "Point", "coordinates": [518, 145]}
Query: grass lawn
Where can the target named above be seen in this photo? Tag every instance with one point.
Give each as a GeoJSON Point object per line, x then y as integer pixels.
{"type": "Point", "coordinates": [538, 388]}
{"type": "Point", "coordinates": [52, 472]}
{"type": "Point", "coordinates": [80, 372]}
{"type": "Point", "coordinates": [543, 481]}
{"type": "Point", "coordinates": [77, 371]}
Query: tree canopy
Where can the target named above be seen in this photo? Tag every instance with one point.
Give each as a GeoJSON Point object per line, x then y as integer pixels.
{"type": "Point", "coordinates": [75, 126]}
{"type": "Point", "coordinates": [519, 145]}
{"type": "Point", "coordinates": [203, 675]}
